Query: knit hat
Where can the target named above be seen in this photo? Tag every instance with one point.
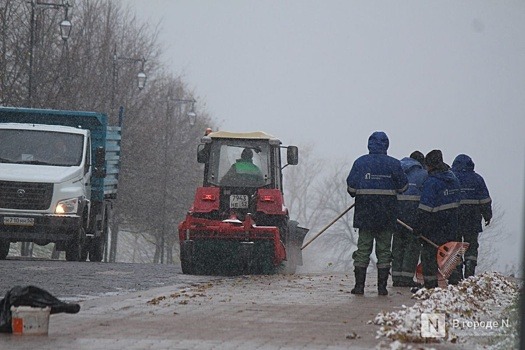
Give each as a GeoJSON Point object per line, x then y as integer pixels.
{"type": "Point", "coordinates": [434, 158]}
{"type": "Point", "coordinates": [420, 157]}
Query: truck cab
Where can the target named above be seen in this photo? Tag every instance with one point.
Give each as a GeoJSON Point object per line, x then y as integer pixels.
{"type": "Point", "coordinates": [52, 181]}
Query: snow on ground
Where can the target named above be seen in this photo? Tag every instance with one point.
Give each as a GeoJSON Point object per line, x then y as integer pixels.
{"type": "Point", "coordinates": [480, 308]}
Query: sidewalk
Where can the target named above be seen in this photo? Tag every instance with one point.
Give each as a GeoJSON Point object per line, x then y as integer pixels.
{"type": "Point", "coordinates": [311, 311]}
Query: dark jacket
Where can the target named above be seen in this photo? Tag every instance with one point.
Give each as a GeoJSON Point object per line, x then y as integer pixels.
{"type": "Point", "coordinates": [375, 180]}
{"type": "Point", "coordinates": [438, 206]}
{"type": "Point", "coordinates": [408, 201]}
{"type": "Point", "coordinates": [476, 203]}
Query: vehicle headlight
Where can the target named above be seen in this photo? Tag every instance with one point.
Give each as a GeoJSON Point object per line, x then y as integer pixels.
{"type": "Point", "coordinates": [67, 206]}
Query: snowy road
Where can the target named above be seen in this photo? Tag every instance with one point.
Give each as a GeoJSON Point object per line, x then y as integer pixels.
{"type": "Point", "coordinates": [85, 280]}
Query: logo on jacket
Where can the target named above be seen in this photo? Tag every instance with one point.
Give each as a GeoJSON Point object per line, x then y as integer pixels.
{"type": "Point", "coordinates": [369, 176]}
{"type": "Point", "coordinates": [447, 192]}
{"type": "Point", "coordinates": [21, 192]}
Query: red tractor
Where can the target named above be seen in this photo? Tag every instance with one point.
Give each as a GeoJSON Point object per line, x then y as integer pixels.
{"type": "Point", "coordinates": [238, 222]}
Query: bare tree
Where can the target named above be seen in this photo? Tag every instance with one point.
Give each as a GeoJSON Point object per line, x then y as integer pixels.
{"type": "Point", "coordinates": [299, 187]}
{"type": "Point", "coordinates": [86, 73]}
{"type": "Point", "coordinates": [315, 198]}
{"type": "Point", "coordinates": [332, 249]}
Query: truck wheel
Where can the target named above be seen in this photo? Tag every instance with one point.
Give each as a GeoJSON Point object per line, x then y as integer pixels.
{"type": "Point", "coordinates": [75, 247]}
{"type": "Point", "coordinates": [98, 245]}
{"type": "Point", "coordinates": [96, 249]}
{"type": "Point", "coordinates": [83, 253]}
{"type": "Point", "coordinates": [4, 249]}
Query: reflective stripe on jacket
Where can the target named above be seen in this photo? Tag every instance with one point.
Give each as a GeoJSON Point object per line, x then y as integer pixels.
{"type": "Point", "coordinates": [476, 203]}
{"type": "Point", "coordinates": [408, 201]}
{"type": "Point", "coordinates": [438, 207]}
{"type": "Point", "coordinates": [375, 180]}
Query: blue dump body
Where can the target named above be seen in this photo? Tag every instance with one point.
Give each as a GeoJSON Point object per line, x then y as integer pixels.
{"type": "Point", "coordinates": [101, 135]}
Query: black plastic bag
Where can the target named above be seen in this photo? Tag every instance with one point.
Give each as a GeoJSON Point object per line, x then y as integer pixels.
{"type": "Point", "coordinates": [30, 296]}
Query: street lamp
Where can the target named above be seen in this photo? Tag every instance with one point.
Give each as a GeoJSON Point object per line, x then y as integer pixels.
{"type": "Point", "coordinates": [65, 31]}
{"type": "Point", "coordinates": [141, 79]}
{"type": "Point", "coordinates": [65, 28]}
{"type": "Point", "coordinates": [141, 76]}
{"type": "Point", "coordinates": [192, 117]}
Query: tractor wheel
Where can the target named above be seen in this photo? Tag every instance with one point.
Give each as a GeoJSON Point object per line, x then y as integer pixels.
{"type": "Point", "coordinates": [4, 249]}
{"type": "Point", "coordinates": [188, 268]}
{"type": "Point", "coordinates": [187, 258]}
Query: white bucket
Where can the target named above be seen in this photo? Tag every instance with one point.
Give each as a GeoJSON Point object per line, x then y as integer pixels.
{"type": "Point", "coordinates": [30, 320]}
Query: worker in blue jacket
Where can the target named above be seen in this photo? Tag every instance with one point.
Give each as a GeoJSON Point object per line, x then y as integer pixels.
{"type": "Point", "coordinates": [437, 215]}
{"type": "Point", "coordinates": [406, 248]}
{"type": "Point", "coordinates": [475, 207]}
{"type": "Point", "coordinates": [375, 180]}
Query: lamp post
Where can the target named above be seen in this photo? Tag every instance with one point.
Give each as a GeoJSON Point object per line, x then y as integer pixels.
{"type": "Point", "coordinates": [141, 83]}
{"type": "Point", "coordinates": [192, 117]}
{"type": "Point", "coordinates": [65, 31]}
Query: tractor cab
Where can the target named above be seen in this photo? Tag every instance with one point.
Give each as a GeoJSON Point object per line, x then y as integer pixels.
{"type": "Point", "coordinates": [242, 167]}
{"type": "Point", "coordinates": [221, 150]}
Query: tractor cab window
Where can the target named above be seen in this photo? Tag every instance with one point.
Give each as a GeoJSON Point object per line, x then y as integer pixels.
{"type": "Point", "coordinates": [238, 164]}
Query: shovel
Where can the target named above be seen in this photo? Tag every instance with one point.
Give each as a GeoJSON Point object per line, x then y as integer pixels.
{"type": "Point", "coordinates": [449, 255]}
{"type": "Point", "coordinates": [327, 226]}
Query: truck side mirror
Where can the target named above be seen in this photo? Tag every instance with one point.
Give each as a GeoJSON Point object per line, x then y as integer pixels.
{"type": "Point", "coordinates": [292, 155]}
{"type": "Point", "coordinates": [203, 153]}
{"type": "Point", "coordinates": [100, 160]}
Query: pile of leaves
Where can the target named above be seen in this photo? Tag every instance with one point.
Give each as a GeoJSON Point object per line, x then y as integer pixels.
{"type": "Point", "coordinates": [477, 306]}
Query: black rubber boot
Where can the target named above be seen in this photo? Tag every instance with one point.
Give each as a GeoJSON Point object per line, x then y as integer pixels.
{"type": "Point", "coordinates": [412, 283]}
{"type": "Point", "coordinates": [360, 277]}
{"type": "Point", "coordinates": [431, 284]}
{"type": "Point", "coordinates": [470, 269]}
{"type": "Point", "coordinates": [382, 280]}
{"type": "Point", "coordinates": [398, 283]}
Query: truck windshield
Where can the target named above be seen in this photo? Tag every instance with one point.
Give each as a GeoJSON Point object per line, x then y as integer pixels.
{"type": "Point", "coordinates": [40, 147]}
{"type": "Point", "coordinates": [242, 164]}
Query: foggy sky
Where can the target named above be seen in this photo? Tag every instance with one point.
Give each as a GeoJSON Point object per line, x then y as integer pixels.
{"type": "Point", "coordinates": [431, 74]}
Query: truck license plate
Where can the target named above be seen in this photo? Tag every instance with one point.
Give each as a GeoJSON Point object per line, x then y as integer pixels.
{"type": "Point", "coordinates": [238, 201]}
{"type": "Point", "coordinates": [9, 220]}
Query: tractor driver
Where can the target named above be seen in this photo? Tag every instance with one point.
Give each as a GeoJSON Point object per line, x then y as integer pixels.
{"type": "Point", "coordinates": [243, 172]}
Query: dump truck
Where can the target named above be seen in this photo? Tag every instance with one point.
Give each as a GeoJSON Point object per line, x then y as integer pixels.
{"type": "Point", "coordinates": [238, 222]}
{"type": "Point", "coordinates": [58, 180]}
